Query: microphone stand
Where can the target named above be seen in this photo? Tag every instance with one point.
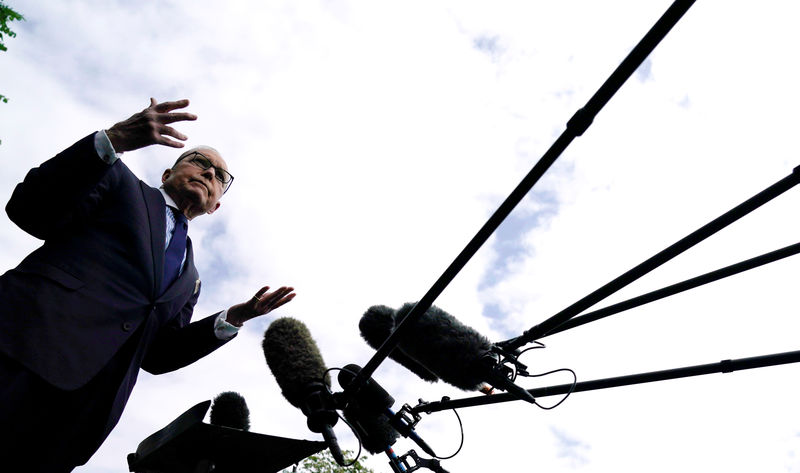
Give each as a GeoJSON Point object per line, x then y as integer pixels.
{"type": "Point", "coordinates": [656, 260]}
{"type": "Point", "coordinates": [576, 126]}
{"type": "Point", "coordinates": [724, 366]}
{"type": "Point", "coordinates": [676, 288]}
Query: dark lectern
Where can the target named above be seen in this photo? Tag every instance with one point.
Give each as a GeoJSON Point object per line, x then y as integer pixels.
{"type": "Point", "coordinates": [187, 445]}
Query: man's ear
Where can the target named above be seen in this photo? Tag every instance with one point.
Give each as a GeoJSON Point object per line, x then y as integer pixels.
{"type": "Point", "coordinates": [167, 173]}
{"type": "Point", "coordinates": [214, 209]}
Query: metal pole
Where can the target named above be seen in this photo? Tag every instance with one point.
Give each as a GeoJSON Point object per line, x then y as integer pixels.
{"type": "Point", "coordinates": [655, 261]}
{"type": "Point", "coordinates": [576, 126]}
{"type": "Point", "coordinates": [724, 366]}
{"type": "Point", "coordinates": [682, 286]}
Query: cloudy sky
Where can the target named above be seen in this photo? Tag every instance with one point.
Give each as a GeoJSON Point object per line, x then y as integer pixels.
{"type": "Point", "coordinates": [370, 140]}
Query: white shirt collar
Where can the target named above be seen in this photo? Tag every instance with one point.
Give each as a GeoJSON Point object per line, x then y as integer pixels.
{"type": "Point", "coordinates": [167, 198]}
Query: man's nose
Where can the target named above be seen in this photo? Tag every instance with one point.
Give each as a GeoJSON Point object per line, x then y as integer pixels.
{"type": "Point", "coordinates": [208, 173]}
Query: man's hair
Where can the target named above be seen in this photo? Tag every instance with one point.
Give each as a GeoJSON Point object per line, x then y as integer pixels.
{"type": "Point", "coordinates": [200, 149]}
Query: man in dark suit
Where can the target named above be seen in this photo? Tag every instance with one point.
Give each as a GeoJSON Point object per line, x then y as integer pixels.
{"type": "Point", "coordinates": [111, 289]}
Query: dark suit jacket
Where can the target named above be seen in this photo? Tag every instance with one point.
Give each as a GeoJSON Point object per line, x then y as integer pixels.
{"type": "Point", "coordinates": [69, 307]}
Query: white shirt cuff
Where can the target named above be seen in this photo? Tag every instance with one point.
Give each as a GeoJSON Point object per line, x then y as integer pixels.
{"type": "Point", "coordinates": [104, 147]}
{"type": "Point", "coordinates": [222, 329]}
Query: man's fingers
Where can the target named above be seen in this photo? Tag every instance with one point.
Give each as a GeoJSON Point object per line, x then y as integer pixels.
{"type": "Point", "coordinates": [278, 298]}
{"type": "Point", "coordinates": [148, 127]}
{"type": "Point", "coordinates": [176, 117]}
{"type": "Point", "coordinates": [162, 111]}
{"type": "Point", "coordinates": [265, 302]}
{"type": "Point", "coordinates": [284, 301]}
{"type": "Point", "coordinates": [169, 106]}
{"type": "Point", "coordinates": [161, 137]}
{"type": "Point", "coordinates": [281, 293]}
{"type": "Point", "coordinates": [275, 303]}
{"type": "Point", "coordinates": [169, 131]}
{"type": "Point", "coordinates": [168, 142]}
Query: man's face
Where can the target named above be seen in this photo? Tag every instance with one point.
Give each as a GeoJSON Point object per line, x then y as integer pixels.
{"type": "Point", "coordinates": [195, 190]}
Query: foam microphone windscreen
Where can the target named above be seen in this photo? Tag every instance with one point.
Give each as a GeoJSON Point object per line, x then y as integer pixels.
{"type": "Point", "coordinates": [295, 361]}
{"type": "Point", "coordinates": [230, 410]}
{"type": "Point", "coordinates": [446, 347]}
{"type": "Point", "coordinates": [435, 346]}
{"type": "Point", "coordinates": [376, 325]}
{"type": "Point", "coordinates": [294, 358]}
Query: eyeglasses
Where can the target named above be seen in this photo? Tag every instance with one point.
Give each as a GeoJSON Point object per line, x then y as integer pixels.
{"type": "Point", "coordinates": [223, 176]}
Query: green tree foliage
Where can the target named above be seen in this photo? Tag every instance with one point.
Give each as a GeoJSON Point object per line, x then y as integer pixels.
{"type": "Point", "coordinates": [323, 462]}
{"type": "Point", "coordinates": [7, 15]}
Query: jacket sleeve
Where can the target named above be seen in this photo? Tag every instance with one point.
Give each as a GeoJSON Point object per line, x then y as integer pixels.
{"type": "Point", "coordinates": [181, 343]}
{"type": "Point", "coordinates": [60, 191]}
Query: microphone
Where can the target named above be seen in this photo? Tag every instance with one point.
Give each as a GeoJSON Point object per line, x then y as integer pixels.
{"type": "Point", "coordinates": [295, 361]}
{"type": "Point", "coordinates": [374, 430]}
{"type": "Point", "coordinates": [376, 325]}
{"type": "Point", "coordinates": [442, 346]}
{"type": "Point", "coordinates": [230, 410]}
{"type": "Point", "coordinates": [371, 407]}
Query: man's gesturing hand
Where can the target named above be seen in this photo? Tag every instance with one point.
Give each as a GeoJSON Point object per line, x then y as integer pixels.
{"type": "Point", "coordinates": [262, 303]}
{"type": "Point", "coordinates": [149, 127]}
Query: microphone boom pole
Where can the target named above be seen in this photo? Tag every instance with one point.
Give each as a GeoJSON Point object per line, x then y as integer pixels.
{"type": "Point", "coordinates": [576, 126]}
{"type": "Point", "coordinates": [724, 366]}
{"type": "Point", "coordinates": [540, 330]}
{"type": "Point", "coordinates": [676, 288]}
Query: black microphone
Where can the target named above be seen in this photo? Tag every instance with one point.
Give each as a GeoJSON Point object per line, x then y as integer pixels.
{"type": "Point", "coordinates": [374, 430]}
{"type": "Point", "coordinates": [230, 410]}
{"type": "Point", "coordinates": [365, 412]}
{"type": "Point", "coordinates": [376, 325]}
{"type": "Point", "coordinates": [372, 405]}
{"type": "Point", "coordinates": [446, 348]}
{"type": "Point", "coordinates": [295, 361]}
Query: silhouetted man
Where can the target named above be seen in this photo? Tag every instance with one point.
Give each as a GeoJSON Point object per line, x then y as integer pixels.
{"type": "Point", "coordinates": [111, 289]}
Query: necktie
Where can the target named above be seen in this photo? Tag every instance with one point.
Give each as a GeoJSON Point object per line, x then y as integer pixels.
{"type": "Point", "coordinates": [173, 257]}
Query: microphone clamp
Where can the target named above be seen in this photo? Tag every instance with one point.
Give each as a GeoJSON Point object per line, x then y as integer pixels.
{"type": "Point", "coordinates": [503, 356]}
{"type": "Point", "coordinates": [405, 419]}
{"type": "Point", "coordinates": [319, 408]}
{"type": "Point", "coordinates": [404, 422]}
{"type": "Point", "coordinates": [373, 399]}
{"type": "Point", "coordinates": [402, 464]}
{"type": "Point", "coordinates": [501, 375]}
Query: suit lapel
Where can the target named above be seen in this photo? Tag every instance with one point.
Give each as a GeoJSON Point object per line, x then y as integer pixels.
{"type": "Point", "coordinates": [156, 217]}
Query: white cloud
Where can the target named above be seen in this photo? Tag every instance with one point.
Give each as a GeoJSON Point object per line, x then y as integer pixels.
{"type": "Point", "coordinates": [370, 141]}
{"type": "Point", "coordinates": [572, 450]}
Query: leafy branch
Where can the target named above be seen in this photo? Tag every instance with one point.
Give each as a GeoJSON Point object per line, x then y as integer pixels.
{"type": "Point", "coordinates": [7, 15]}
{"type": "Point", "coordinates": [324, 463]}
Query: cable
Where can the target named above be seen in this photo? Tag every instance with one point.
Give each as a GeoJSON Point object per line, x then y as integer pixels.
{"type": "Point", "coordinates": [539, 345]}
{"type": "Point", "coordinates": [353, 430]}
{"type": "Point", "coordinates": [461, 428]}
{"type": "Point", "coordinates": [358, 455]}
{"type": "Point", "coordinates": [326, 374]}
{"type": "Point", "coordinates": [571, 389]}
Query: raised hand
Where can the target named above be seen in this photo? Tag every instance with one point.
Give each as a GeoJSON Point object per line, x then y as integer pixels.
{"type": "Point", "coordinates": [150, 127]}
{"type": "Point", "coordinates": [262, 303]}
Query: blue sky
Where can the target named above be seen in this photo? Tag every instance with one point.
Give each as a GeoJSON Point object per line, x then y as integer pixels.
{"type": "Point", "coordinates": [371, 140]}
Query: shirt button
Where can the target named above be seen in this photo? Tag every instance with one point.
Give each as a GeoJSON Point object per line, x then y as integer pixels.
{"type": "Point", "coordinates": [127, 326]}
